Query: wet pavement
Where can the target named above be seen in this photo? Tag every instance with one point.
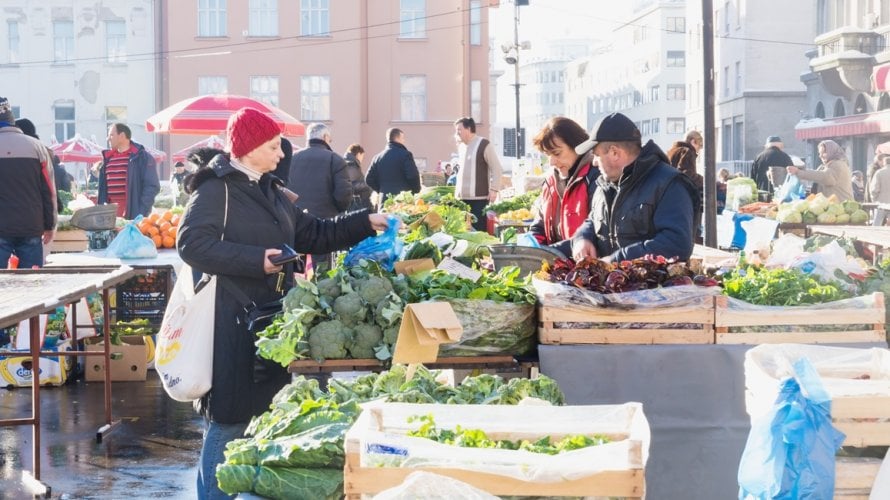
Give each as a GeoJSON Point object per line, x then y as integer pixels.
{"type": "Point", "coordinates": [151, 453]}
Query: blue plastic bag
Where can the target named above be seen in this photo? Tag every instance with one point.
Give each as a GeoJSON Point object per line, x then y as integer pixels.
{"type": "Point", "coordinates": [790, 190]}
{"type": "Point", "coordinates": [383, 249]}
{"type": "Point", "coordinates": [130, 243]}
{"type": "Point", "coordinates": [790, 450]}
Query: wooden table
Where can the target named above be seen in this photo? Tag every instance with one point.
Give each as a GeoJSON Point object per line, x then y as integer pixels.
{"type": "Point", "coordinates": [876, 237]}
{"type": "Point", "coordinates": [505, 363]}
{"type": "Point", "coordinates": [25, 294]}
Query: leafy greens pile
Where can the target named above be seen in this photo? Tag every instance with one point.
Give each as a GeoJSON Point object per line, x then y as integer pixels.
{"type": "Point", "coordinates": [780, 287]}
{"type": "Point", "coordinates": [295, 450]}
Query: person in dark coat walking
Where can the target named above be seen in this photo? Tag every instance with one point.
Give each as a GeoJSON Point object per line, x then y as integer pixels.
{"type": "Point", "coordinates": [318, 175]}
{"type": "Point", "coordinates": [237, 218]}
{"type": "Point", "coordinates": [393, 170]}
{"type": "Point", "coordinates": [772, 156]}
{"type": "Point", "coordinates": [683, 155]}
{"type": "Point", "coordinates": [643, 204]}
{"type": "Point", "coordinates": [361, 192]}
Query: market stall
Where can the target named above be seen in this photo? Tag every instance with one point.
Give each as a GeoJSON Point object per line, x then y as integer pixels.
{"type": "Point", "coordinates": [876, 237]}
{"type": "Point", "coordinates": [25, 295]}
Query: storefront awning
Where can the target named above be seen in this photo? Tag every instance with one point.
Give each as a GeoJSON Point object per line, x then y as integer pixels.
{"type": "Point", "coordinates": [864, 124]}
{"type": "Point", "coordinates": [880, 75]}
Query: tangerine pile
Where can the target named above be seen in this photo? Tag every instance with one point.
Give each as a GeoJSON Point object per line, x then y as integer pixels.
{"type": "Point", "coordinates": [161, 228]}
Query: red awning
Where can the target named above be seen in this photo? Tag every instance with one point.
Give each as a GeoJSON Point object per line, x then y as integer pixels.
{"type": "Point", "coordinates": [864, 124]}
{"type": "Point", "coordinates": [880, 75]}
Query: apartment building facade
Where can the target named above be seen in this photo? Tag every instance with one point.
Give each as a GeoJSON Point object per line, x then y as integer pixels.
{"type": "Point", "coordinates": [359, 66]}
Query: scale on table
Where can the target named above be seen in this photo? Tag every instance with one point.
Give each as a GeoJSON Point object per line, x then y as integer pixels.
{"type": "Point", "coordinates": [98, 222]}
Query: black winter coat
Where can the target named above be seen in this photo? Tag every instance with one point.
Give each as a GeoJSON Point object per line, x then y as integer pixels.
{"type": "Point", "coordinates": [259, 217]}
{"type": "Point", "coordinates": [142, 182]}
{"type": "Point", "coordinates": [319, 176]}
{"type": "Point", "coordinates": [361, 192]}
{"type": "Point", "coordinates": [393, 170]}
{"type": "Point", "coordinates": [769, 157]}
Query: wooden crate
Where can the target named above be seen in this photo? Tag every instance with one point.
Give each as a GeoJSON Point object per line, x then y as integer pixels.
{"type": "Point", "coordinates": [389, 418]}
{"type": "Point", "coordinates": [726, 318]}
{"type": "Point", "coordinates": [609, 326]}
{"type": "Point", "coordinates": [69, 240]}
{"type": "Point", "coordinates": [854, 477]}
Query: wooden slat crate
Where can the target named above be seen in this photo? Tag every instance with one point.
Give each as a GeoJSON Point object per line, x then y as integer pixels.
{"type": "Point", "coordinates": [726, 318]}
{"type": "Point", "coordinates": [360, 480]}
{"type": "Point", "coordinates": [70, 240]}
{"type": "Point", "coordinates": [854, 477]}
{"type": "Point", "coordinates": [610, 326]}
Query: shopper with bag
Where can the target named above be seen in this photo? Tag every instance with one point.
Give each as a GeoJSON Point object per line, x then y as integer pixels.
{"type": "Point", "coordinates": [236, 220]}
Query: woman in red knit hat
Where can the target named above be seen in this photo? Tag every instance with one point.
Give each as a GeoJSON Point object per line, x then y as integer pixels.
{"type": "Point", "coordinates": [237, 218]}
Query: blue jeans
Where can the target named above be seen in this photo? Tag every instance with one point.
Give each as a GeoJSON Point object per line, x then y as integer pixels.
{"type": "Point", "coordinates": [28, 249]}
{"type": "Point", "coordinates": [216, 436]}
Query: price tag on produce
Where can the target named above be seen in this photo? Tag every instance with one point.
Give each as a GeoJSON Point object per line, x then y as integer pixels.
{"type": "Point", "coordinates": [454, 267]}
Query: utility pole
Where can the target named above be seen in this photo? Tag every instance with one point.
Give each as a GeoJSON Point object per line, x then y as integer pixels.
{"type": "Point", "coordinates": [710, 202]}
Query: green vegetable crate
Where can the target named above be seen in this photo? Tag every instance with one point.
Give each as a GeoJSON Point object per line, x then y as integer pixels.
{"type": "Point", "coordinates": [691, 323]}
{"type": "Point", "coordinates": [380, 456]}
{"type": "Point", "coordinates": [856, 320]}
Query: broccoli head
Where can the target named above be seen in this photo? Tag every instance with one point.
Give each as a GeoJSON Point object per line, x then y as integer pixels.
{"type": "Point", "coordinates": [365, 337]}
{"type": "Point", "coordinates": [328, 340]}
{"type": "Point", "coordinates": [329, 288]}
{"type": "Point", "coordinates": [302, 296]}
{"type": "Point", "coordinates": [390, 381]}
{"type": "Point", "coordinates": [374, 289]}
{"type": "Point", "coordinates": [391, 334]}
{"type": "Point", "coordinates": [350, 309]}
{"type": "Point", "coordinates": [389, 311]}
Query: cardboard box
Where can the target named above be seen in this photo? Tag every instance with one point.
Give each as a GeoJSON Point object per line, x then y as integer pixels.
{"type": "Point", "coordinates": [15, 371]}
{"type": "Point", "coordinates": [128, 364]}
{"type": "Point", "coordinates": [425, 326]}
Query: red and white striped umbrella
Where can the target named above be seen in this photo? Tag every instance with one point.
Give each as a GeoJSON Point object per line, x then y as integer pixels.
{"type": "Point", "coordinates": [157, 154]}
{"type": "Point", "coordinates": [211, 142]}
{"type": "Point", "coordinates": [78, 149]}
{"type": "Point", "coordinates": [208, 114]}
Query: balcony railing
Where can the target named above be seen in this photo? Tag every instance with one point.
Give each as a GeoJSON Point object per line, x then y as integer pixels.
{"type": "Point", "coordinates": [842, 40]}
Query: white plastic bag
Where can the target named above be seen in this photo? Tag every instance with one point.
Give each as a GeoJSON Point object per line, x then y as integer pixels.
{"type": "Point", "coordinates": [184, 352]}
{"type": "Point", "coordinates": [433, 486]}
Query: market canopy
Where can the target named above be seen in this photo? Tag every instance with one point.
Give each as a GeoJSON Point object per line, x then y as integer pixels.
{"type": "Point", "coordinates": [844, 126]}
{"type": "Point", "coordinates": [211, 142]}
{"type": "Point", "coordinates": [78, 149]}
{"type": "Point", "coordinates": [157, 154]}
{"type": "Point", "coordinates": [208, 114]}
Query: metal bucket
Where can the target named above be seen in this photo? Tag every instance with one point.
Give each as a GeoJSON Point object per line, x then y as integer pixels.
{"type": "Point", "coordinates": [527, 259]}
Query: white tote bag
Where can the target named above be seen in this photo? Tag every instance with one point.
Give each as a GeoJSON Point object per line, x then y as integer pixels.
{"type": "Point", "coordinates": [184, 351]}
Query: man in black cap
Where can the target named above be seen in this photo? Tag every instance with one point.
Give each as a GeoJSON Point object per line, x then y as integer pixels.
{"type": "Point", "coordinates": [27, 194]}
{"type": "Point", "coordinates": [771, 156]}
{"type": "Point", "coordinates": [643, 205]}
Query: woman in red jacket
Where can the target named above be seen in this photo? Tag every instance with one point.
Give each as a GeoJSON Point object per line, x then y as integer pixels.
{"type": "Point", "coordinates": [565, 196]}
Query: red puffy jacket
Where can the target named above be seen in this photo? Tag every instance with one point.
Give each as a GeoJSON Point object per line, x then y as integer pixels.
{"type": "Point", "coordinates": [557, 219]}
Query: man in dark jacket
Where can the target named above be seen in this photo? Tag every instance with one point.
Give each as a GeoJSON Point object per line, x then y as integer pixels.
{"type": "Point", "coordinates": [771, 156]}
{"type": "Point", "coordinates": [393, 170]}
{"type": "Point", "coordinates": [643, 205]}
{"type": "Point", "coordinates": [128, 175]}
{"type": "Point", "coordinates": [318, 175]}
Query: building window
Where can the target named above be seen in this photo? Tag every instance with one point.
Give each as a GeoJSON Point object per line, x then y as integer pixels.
{"type": "Point", "coordinates": [726, 15]}
{"type": "Point", "coordinates": [264, 89]}
{"type": "Point", "coordinates": [737, 145]}
{"type": "Point", "coordinates": [726, 140]}
{"type": "Point", "coordinates": [676, 93]}
{"type": "Point", "coordinates": [676, 59]}
{"type": "Point", "coordinates": [115, 114]}
{"type": "Point", "coordinates": [315, 98]}
{"type": "Point", "coordinates": [656, 122]}
{"type": "Point", "coordinates": [676, 125]}
{"type": "Point", "coordinates": [212, 18]}
{"type": "Point", "coordinates": [13, 39]}
{"type": "Point", "coordinates": [738, 77]}
{"type": "Point", "coordinates": [476, 100]}
{"type": "Point", "coordinates": [63, 41]}
{"type": "Point", "coordinates": [64, 120]}
{"type": "Point", "coordinates": [412, 19]}
{"type": "Point", "coordinates": [412, 89]}
{"type": "Point", "coordinates": [645, 128]}
{"type": "Point", "coordinates": [315, 18]}
{"type": "Point", "coordinates": [263, 18]}
{"type": "Point", "coordinates": [726, 81]}
{"type": "Point", "coordinates": [116, 41]}
{"type": "Point", "coordinates": [820, 110]}
{"type": "Point", "coordinates": [208, 85]}
{"type": "Point", "coordinates": [475, 22]}
{"type": "Point", "coordinates": [653, 93]}
{"type": "Point", "coordinates": [676, 24]}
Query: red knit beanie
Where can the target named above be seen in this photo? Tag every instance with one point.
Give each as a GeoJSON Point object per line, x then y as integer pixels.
{"type": "Point", "coordinates": [247, 130]}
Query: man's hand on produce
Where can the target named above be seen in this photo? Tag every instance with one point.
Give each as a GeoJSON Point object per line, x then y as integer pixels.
{"type": "Point", "coordinates": [379, 222]}
{"type": "Point", "coordinates": [582, 249]}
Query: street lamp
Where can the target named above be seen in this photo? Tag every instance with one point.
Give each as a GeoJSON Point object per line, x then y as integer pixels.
{"type": "Point", "coordinates": [511, 56]}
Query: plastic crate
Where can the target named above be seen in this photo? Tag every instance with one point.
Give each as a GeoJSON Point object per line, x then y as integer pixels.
{"type": "Point", "coordinates": [144, 296]}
